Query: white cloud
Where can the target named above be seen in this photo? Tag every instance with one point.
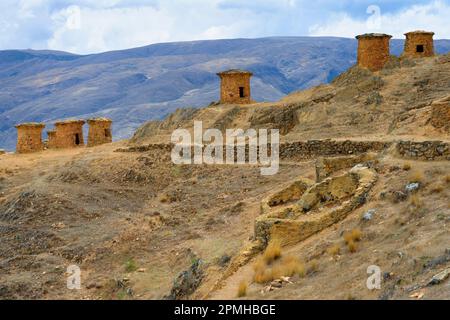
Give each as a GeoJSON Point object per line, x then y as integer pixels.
{"type": "Point", "coordinates": [88, 26]}
{"type": "Point", "coordinates": [432, 17]}
{"type": "Point", "coordinates": [93, 30]}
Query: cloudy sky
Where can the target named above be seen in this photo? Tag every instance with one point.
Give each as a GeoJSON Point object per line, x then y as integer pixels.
{"type": "Point", "coordinates": [88, 26]}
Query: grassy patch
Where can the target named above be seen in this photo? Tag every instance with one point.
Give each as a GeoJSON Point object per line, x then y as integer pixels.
{"type": "Point", "coordinates": [130, 265]}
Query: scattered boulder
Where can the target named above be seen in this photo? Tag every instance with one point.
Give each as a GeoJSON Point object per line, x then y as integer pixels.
{"type": "Point", "coordinates": [276, 284]}
{"type": "Point", "coordinates": [411, 187]}
{"type": "Point", "coordinates": [187, 281]}
{"type": "Point", "coordinates": [440, 277]}
{"type": "Point", "coordinates": [438, 260]}
{"type": "Point", "coordinates": [399, 196]}
{"type": "Point", "coordinates": [224, 260]}
{"type": "Point", "coordinates": [369, 215]}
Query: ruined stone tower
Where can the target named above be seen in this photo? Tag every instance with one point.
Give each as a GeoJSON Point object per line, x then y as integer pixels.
{"type": "Point", "coordinates": [51, 139]}
{"type": "Point", "coordinates": [373, 50]}
{"type": "Point", "coordinates": [419, 44]}
{"type": "Point", "coordinates": [235, 87]}
{"type": "Point", "coordinates": [29, 137]}
{"type": "Point", "coordinates": [69, 134]}
{"type": "Point", "coordinates": [99, 131]}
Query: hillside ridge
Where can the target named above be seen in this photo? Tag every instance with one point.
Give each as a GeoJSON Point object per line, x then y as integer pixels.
{"type": "Point", "coordinates": [135, 85]}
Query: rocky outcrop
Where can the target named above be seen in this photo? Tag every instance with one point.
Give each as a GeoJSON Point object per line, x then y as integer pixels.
{"type": "Point", "coordinates": [325, 167]}
{"type": "Point", "coordinates": [311, 213]}
{"type": "Point", "coordinates": [286, 196]}
{"type": "Point", "coordinates": [283, 119]}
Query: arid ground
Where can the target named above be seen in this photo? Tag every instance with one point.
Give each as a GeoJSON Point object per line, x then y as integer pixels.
{"type": "Point", "coordinates": [141, 227]}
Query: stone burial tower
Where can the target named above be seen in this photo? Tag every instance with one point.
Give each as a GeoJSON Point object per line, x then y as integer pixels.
{"type": "Point", "coordinates": [68, 134]}
{"type": "Point", "coordinates": [373, 50]}
{"type": "Point", "coordinates": [419, 44]}
{"type": "Point", "coordinates": [99, 131]}
{"type": "Point", "coordinates": [235, 87]}
{"type": "Point", "coordinates": [29, 137]}
{"type": "Point", "coordinates": [51, 139]}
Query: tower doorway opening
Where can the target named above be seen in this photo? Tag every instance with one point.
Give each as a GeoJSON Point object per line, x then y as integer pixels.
{"type": "Point", "coordinates": [241, 92]}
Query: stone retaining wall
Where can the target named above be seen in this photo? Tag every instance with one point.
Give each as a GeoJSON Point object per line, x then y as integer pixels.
{"type": "Point", "coordinates": [426, 150]}
{"type": "Point", "coordinates": [307, 150]}
{"type": "Point", "coordinates": [315, 148]}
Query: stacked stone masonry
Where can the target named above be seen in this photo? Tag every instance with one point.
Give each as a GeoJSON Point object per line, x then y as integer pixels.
{"type": "Point", "coordinates": [51, 139]}
{"type": "Point", "coordinates": [99, 131]}
{"type": "Point", "coordinates": [426, 150]}
{"type": "Point", "coordinates": [69, 134]}
{"type": "Point", "coordinates": [373, 51]}
{"type": "Point", "coordinates": [29, 137]}
{"type": "Point", "coordinates": [235, 87]}
{"type": "Point", "coordinates": [307, 150]}
{"type": "Point", "coordinates": [314, 148]}
{"type": "Point", "coordinates": [419, 44]}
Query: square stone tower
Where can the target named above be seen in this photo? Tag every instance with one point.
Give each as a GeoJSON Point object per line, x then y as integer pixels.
{"type": "Point", "coordinates": [99, 131]}
{"type": "Point", "coordinates": [51, 139]}
{"type": "Point", "coordinates": [419, 44]}
{"type": "Point", "coordinates": [29, 137]}
{"type": "Point", "coordinates": [235, 87]}
{"type": "Point", "coordinates": [373, 50]}
{"type": "Point", "coordinates": [69, 134]}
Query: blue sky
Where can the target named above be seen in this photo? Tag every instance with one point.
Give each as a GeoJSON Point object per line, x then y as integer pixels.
{"type": "Point", "coordinates": [88, 26]}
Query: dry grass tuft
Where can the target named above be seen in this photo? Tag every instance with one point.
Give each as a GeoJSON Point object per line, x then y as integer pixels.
{"type": "Point", "coordinates": [313, 266]}
{"type": "Point", "coordinates": [273, 252]}
{"type": "Point", "coordinates": [352, 246]}
{"type": "Point", "coordinates": [334, 250]}
{"type": "Point", "coordinates": [263, 273]}
{"type": "Point", "coordinates": [353, 236]}
{"type": "Point", "coordinates": [407, 167]}
{"type": "Point", "coordinates": [417, 176]}
{"type": "Point", "coordinates": [438, 188]}
{"type": "Point", "coordinates": [416, 201]}
{"type": "Point", "coordinates": [447, 178]}
{"type": "Point", "coordinates": [242, 290]}
{"type": "Point", "coordinates": [286, 267]}
{"type": "Point", "coordinates": [291, 266]}
{"type": "Point", "coordinates": [164, 198]}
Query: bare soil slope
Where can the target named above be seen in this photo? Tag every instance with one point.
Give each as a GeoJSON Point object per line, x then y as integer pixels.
{"type": "Point", "coordinates": [133, 221]}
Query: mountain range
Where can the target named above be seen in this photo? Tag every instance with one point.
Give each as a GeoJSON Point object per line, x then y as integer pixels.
{"type": "Point", "coordinates": [136, 85]}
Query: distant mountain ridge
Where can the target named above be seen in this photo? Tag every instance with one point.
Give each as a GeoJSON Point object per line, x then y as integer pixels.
{"type": "Point", "coordinates": [135, 85]}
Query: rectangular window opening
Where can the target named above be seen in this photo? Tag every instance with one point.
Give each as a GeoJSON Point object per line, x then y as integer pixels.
{"type": "Point", "coordinates": [420, 48]}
